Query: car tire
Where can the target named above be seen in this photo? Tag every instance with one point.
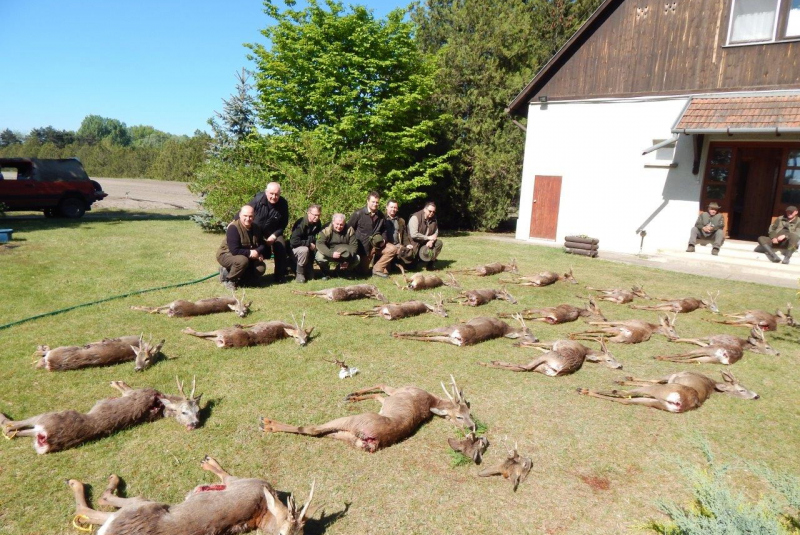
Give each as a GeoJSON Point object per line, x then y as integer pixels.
{"type": "Point", "coordinates": [72, 208]}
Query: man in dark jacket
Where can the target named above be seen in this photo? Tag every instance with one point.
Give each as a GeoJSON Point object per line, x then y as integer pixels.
{"type": "Point", "coordinates": [241, 254]}
{"type": "Point", "coordinates": [424, 231]}
{"type": "Point", "coordinates": [304, 242]}
{"type": "Point", "coordinates": [337, 243]}
{"type": "Point", "coordinates": [272, 216]}
{"type": "Point", "coordinates": [395, 231]}
{"type": "Point", "coordinates": [709, 225]}
{"type": "Point", "coordinates": [367, 222]}
{"type": "Point", "coordinates": [784, 232]}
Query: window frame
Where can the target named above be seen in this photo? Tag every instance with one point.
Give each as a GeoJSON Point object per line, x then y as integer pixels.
{"type": "Point", "coordinates": [779, 27]}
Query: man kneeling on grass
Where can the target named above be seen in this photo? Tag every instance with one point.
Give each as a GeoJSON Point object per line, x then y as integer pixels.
{"type": "Point", "coordinates": [241, 254]}
{"type": "Point", "coordinates": [337, 243]}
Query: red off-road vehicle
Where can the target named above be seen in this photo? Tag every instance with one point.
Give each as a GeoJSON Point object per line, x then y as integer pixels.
{"type": "Point", "coordinates": [58, 187]}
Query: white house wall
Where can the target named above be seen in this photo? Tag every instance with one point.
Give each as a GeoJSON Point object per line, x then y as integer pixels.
{"type": "Point", "coordinates": [607, 190]}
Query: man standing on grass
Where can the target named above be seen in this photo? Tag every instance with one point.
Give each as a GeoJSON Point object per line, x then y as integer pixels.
{"type": "Point", "coordinates": [784, 232]}
{"type": "Point", "coordinates": [304, 242]}
{"type": "Point", "coordinates": [424, 231]}
{"type": "Point", "coordinates": [368, 224]}
{"type": "Point", "coordinates": [272, 216]}
{"type": "Point", "coordinates": [241, 254]}
{"type": "Point", "coordinates": [709, 225]}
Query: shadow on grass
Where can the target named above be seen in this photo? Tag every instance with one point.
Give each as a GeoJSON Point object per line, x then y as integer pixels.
{"type": "Point", "coordinates": [207, 410]}
{"type": "Point", "coordinates": [318, 526]}
{"type": "Point", "coordinates": [39, 222]}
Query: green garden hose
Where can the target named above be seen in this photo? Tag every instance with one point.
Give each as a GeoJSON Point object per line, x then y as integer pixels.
{"type": "Point", "coordinates": [136, 292]}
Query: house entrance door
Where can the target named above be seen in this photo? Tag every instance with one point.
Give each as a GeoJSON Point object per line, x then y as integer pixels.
{"type": "Point", "coordinates": [755, 183]}
{"type": "Point", "coordinates": [544, 213]}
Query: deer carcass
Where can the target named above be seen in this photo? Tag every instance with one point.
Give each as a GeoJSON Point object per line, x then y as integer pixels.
{"type": "Point", "coordinates": [104, 353]}
{"type": "Point", "coordinates": [262, 333]}
{"type": "Point", "coordinates": [543, 278]}
{"type": "Point", "coordinates": [472, 332]}
{"type": "Point", "coordinates": [424, 281]}
{"type": "Point", "coordinates": [682, 306]}
{"type": "Point", "coordinates": [403, 410]}
{"type": "Point", "coordinates": [491, 269]}
{"type": "Point", "coordinates": [561, 357]}
{"type": "Point", "coordinates": [396, 311]}
{"type": "Point", "coordinates": [620, 296]}
{"type": "Point", "coordinates": [237, 505]}
{"type": "Point", "coordinates": [476, 298]}
{"type": "Point", "coordinates": [56, 431]}
{"type": "Point", "coordinates": [212, 305]}
{"type": "Point", "coordinates": [347, 293]}
{"type": "Point", "coordinates": [470, 446]}
{"type": "Point", "coordinates": [514, 467]}
{"type": "Point", "coordinates": [722, 348]}
{"type": "Point", "coordinates": [561, 313]}
{"type": "Point", "coordinates": [679, 392]}
{"type": "Point", "coordinates": [628, 332]}
{"type": "Point", "coordinates": [761, 319]}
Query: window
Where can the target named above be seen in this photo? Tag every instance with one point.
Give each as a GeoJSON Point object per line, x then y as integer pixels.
{"type": "Point", "coordinates": [764, 21]}
{"type": "Point", "coordinates": [791, 179]}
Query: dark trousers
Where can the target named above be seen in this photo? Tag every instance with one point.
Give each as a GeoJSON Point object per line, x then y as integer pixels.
{"type": "Point", "coordinates": [279, 253]}
{"type": "Point", "coordinates": [790, 243]}
{"type": "Point", "coordinates": [718, 236]}
{"type": "Point", "coordinates": [242, 269]}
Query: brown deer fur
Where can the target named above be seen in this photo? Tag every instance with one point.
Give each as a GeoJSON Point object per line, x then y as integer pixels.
{"type": "Point", "coordinates": [472, 332]}
{"type": "Point", "coordinates": [543, 278]}
{"type": "Point", "coordinates": [347, 293]}
{"type": "Point", "coordinates": [722, 348]}
{"type": "Point", "coordinates": [214, 305]}
{"type": "Point", "coordinates": [620, 296]}
{"type": "Point", "coordinates": [104, 353]}
{"type": "Point", "coordinates": [758, 318]}
{"type": "Point", "coordinates": [262, 333]}
{"type": "Point", "coordinates": [514, 467]}
{"type": "Point", "coordinates": [563, 313]}
{"type": "Point", "coordinates": [396, 311]}
{"type": "Point", "coordinates": [628, 332]}
{"type": "Point", "coordinates": [476, 298]}
{"type": "Point", "coordinates": [561, 357]}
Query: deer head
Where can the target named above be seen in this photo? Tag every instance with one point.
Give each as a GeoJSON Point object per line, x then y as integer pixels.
{"type": "Point", "coordinates": [438, 307]}
{"type": "Point", "coordinates": [241, 308]}
{"type": "Point", "coordinates": [300, 335]}
{"type": "Point", "coordinates": [668, 326]}
{"type": "Point", "coordinates": [514, 467]}
{"type": "Point", "coordinates": [524, 332]}
{"type": "Point", "coordinates": [471, 446]}
{"type": "Point", "coordinates": [503, 294]}
{"type": "Point", "coordinates": [594, 310]}
{"type": "Point", "coordinates": [787, 318]}
{"type": "Point", "coordinates": [711, 302]}
{"type": "Point", "coordinates": [513, 266]}
{"type": "Point", "coordinates": [638, 291]}
{"type": "Point", "coordinates": [604, 357]}
{"type": "Point", "coordinates": [288, 520]}
{"type": "Point", "coordinates": [456, 408]}
{"type": "Point", "coordinates": [758, 342]}
{"type": "Point", "coordinates": [146, 353]}
{"type": "Point", "coordinates": [185, 409]}
{"type": "Point", "coordinates": [732, 387]}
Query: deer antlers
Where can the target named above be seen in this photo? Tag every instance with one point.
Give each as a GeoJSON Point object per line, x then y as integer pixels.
{"type": "Point", "coordinates": [180, 388]}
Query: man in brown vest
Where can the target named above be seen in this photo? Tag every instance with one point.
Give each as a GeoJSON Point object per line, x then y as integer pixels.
{"type": "Point", "coordinates": [367, 222]}
{"type": "Point", "coordinates": [424, 231]}
{"type": "Point", "coordinates": [241, 254]}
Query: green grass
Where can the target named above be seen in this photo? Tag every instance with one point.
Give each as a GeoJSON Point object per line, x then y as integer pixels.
{"type": "Point", "coordinates": [409, 487]}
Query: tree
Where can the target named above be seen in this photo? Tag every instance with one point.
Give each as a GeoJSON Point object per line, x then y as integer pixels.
{"type": "Point", "coordinates": [95, 129]}
{"type": "Point", "coordinates": [238, 116]}
{"type": "Point", "coordinates": [7, 138]}
{"type": "Point", "coordinates": [147, 136]}
{"type": "Point", "coordinates": [48, 134]}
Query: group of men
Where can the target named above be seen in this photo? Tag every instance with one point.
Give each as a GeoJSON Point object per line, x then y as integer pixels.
{"type": "Point", "coordinates": [370, 241]}
{"type": "Point", "coordinates": [783, 233]}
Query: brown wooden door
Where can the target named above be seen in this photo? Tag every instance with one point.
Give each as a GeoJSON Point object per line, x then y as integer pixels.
{"type": "Point", "coordinates": [756, 182]}
{"type": "Point", "coordinates": [544, 213]}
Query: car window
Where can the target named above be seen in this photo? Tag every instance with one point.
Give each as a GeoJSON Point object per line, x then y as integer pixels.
{"type": "Point", "coordinates": [9, 173]}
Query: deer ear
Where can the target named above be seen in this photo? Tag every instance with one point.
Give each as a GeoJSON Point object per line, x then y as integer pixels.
{"type": "Point", "coordinates": [438, 412]}
{"type": "Point", "coordinates": [159, 346]}
{"type": "Point", "coordinates": [270, 502]}
{"type": "Point", "coordinates": [169, 406]}
{"type": "Point", "coordinates": [135, 350]}
{"type": "Point", "coordinates": [232, 307]}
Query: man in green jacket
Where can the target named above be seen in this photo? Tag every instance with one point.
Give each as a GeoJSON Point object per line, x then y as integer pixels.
{"type": "Point", "coordinates": [241, 253]}
{"type": "Point", "coordinates": [784, 232]}
{"type": "Point", "coordinates": [337, 243]}
{"type": "Point", "coordinates": [304, 242]}
{"type": "Point", "coordinates": [709, 225]}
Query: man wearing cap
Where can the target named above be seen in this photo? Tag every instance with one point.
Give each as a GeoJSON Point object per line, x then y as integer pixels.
{"type": "Point", "coordinates": [784, 232]}
{"type": "Point", "coordinates": [337, 243]}
{"type": "Point", "coordinates": [424, 231]}
{"type": "Point", "coordinates": [709, 225]}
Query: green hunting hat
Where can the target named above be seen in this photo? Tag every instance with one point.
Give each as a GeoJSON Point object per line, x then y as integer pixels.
{"type": "Point", "coordinates": [790, 209]}
{"type": "Point", "coordinates": [713, 206]}
{"type": "Point", "coordinates": [426, 254]}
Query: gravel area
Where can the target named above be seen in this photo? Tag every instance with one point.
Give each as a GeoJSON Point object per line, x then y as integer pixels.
{"type": "Point", "coordinates": [143, 193]}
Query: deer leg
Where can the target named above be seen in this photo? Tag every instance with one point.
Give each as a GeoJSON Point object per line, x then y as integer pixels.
{"type": "Point", "coordinates": [692, 357]}
{"type": "Point", "coordinates": [376, 396]}
{"type": "Point", "coordinates": [530, 367]}
{"type": "Point", "coordinates": [695, 341]}
{"type": "Point", "coordinates": [192, 332]}
{"type": "Point", "coordinates": [213, 466]}
{"type": "Point", "coordinates": [372, 390]}
{"type": "Point", "coordinates": [20, 428]}
{"type": "Point", "coordinates": [121, 386]}
{"type": "Point", "coordinates": [624, 397]}
{"type": "Point", "coordinates": [109, 496]}
{"type": "Point", "coordinates": [337, 425]}
{"type": "Point", "coordinates": [82, 509]}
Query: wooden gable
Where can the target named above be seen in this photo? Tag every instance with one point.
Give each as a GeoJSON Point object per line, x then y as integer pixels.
{"type": "Point", "coordinates": [634, 48]}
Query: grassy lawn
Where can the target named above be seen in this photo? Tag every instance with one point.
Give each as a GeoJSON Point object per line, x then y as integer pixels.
{"type": "Point", "coordinates": [598, 467]}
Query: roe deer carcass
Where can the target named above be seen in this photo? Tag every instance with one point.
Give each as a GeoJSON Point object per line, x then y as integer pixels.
{"type": "Point", "coordinates": [403, 411]}
{"type": "Point", "coordinates": [491, 269]}
{"type": "Point", "coordinates": [262, 333]}
{"type": "Point", "coordinates": [679, 392]}
{"type": "Point", "coordinates": [57, 431]}
{"type": "Point", "coordinates": [212, 305]}
{"type": "Point", "coordinates": [543, 278]}
{"type": "Point", "coordinates": [563, 313]}
{"type": "Point", "coordinates": [561, 357]}
{"type": "Point", "coordinates": [424, 281]}
{"type": "Point", "coordinates": [104, 353]}
{"type": "Point", "coordinates": [682, 306]}
{"type": "Point", "coordinates": [472, 332]}
{"type": "Point", "coordinates": [347, 293]}
{"type": "Point", "coordinates": [396, 311]}
{"type": "Point", "coordinates": [620, 296]}
{"type": "Point", "coordinates": [470, 446]}
{"type": "Point", "coordinates": [722, 348]}
{"type": "Point", "coordinates": [514, 467]}
{"type": "Point", "coordinates": [237, 505]}
{"type": "Point", "coordinates": [628, 332]}
{"type": "Point", "coordinates": [759, 318]}
{"type": "Point", "coordinates": [476, 298]}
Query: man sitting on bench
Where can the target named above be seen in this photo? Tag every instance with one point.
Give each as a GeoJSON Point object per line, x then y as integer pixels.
{"type": "Point", "coordinates": [709, 225]}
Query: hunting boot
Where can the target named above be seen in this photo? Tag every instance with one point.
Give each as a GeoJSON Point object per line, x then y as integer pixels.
{"type": "Point", "coordinates": [324, 268]}
{"type": "Point", "coordinates": [766, 243]}
{"type": "Point", "coordinates": [690, 249]}
{"type": "Point", "coordinates": [787, 255]}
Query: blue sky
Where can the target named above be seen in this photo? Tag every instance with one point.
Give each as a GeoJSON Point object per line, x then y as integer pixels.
{"type": "Point", "coordinates": [163, 63]}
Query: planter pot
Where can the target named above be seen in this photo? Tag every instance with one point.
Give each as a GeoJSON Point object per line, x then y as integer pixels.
{"type": "Point", "coordinates": [5, 234]}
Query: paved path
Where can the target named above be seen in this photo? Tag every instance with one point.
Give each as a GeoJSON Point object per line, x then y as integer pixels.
{"type": "Point", "coordinates": [143, 193]}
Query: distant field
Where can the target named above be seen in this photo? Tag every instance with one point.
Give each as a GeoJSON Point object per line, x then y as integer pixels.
{"type": "Point", "coordinates": [598, 467]}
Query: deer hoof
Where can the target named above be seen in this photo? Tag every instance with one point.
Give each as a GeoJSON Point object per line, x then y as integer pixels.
{"type": "Point", "coordinates": [266, 425]}
{"type": "Point", "coordinates": [582, 391]}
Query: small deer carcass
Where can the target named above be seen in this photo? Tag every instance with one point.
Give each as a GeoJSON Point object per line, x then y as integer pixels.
{"type": "Point", "coordinates": [212, 305]}
{"type": "Point", "coordinates": [620, 296]}
{"type": "Point", "coordinates": [237, 505]}
{"type": "Point", "coordinates": [470, 446]}
{"type": "Point", "coordinates": [472, 332]}
{"type": "Point", "coordinates": [683, 306]}
{"type": "Point", "coordinates": [476, 298]}
{"type": "Point", "coordinates": [424, 281]}
{"type": "Point", "coordinates": [563, 313]}
{"type": "Point", "coordinates": [347, 293]}
{"type": "Point", "coordinates": [57, 431]}
{"type": "Point", "coordinates": [759, 318]}
{"type": "Point", "coordinates": [630, 331]}
{"type": "Point", "coordinates": [543, 278]}
{"type": "Point", "coordinates": [514, 467]}
{"type": "Point", "coordinates": [491, 269]}
{"type": "Point", "coordinates": [262, 333]}
{"type": "Point", "coordinates": [722, 348]}
{"type": "Point", "coordinates": [396, 311]}
{"type": "Point", "coordinates": [104, 353]}
{"type": "Point", "coordinates": [679, 392]}
{"type": "Point", "coordinates": [403, 411]}
{"type": "Point", "coordinates": [561, 357]}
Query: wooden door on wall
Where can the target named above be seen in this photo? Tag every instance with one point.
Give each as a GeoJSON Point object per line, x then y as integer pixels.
{"type": "Point", "coordinates": [756, 180]}
{"type": "Point", "coordinates": [544, 212]}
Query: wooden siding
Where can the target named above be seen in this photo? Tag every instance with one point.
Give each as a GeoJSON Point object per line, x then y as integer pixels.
{"type": "Point", "coordinates": [664, 52]}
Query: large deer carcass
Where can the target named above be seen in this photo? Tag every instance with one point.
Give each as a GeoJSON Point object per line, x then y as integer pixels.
{"type": "Point", "coordinates": [561, 357]}
{"type": "Point", "coordinates": [424, 281]}
{"type": "Point", "coordinates": [722, 348]}
{"type": "Point", "coordinates": [761, 319]}
{"type": "Point", "coordinates": [347, 293]}
{"type": "Point", "coordinates": [491, 269]}
{"type": "Point", "coordinates": [472, 332]}
{"type": "Point", "coordinates": [403, 411]}
{"type": "Point", "coordinates": [619, 295]}
{"type": "Point", "coordinates": [476, 298]}
{"type": "Point", "coordinates": [213, 305]}
{"type": "Point", "coordinates": [262, 333]}
{"type": "Point", "coordinates": [57, 431]}
{"type": "Point", "coordinates": [237, 505]}
{"type": "Point", "coordinates": [683, 305]}
{"type": "Point", "coordinates": [104, 353]}
{"type": "Point", "coordinates": [396, 311]}
{"type": "Point", "coordinates": [543, 278]}
{"type": "Point", "coordinates": [563, 313]}
{"type": "Point", "coordinates": [629, 331]}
